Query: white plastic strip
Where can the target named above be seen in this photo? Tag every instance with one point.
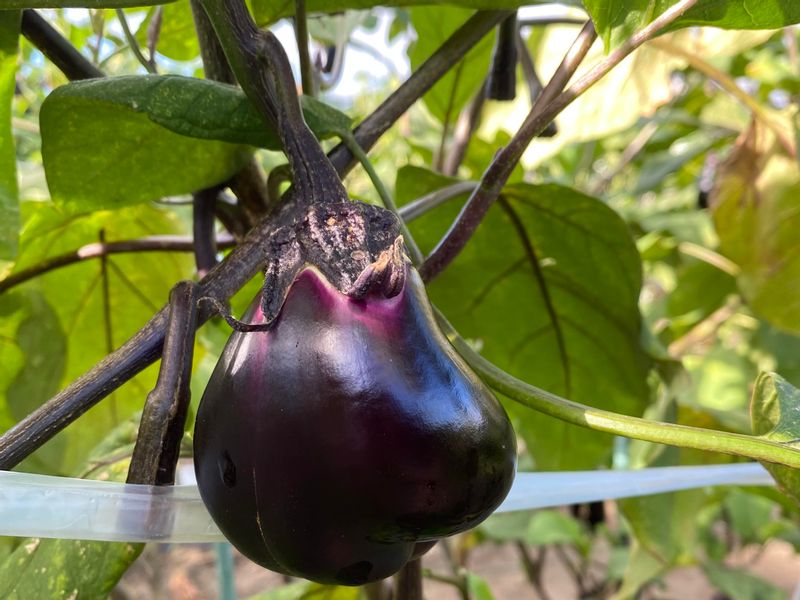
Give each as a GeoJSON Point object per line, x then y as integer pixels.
{"type": "Point", "coordinates": [59, 507]}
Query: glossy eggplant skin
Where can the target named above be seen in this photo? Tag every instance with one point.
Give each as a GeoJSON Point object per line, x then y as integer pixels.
{"type": "Point", "coordinates": [328, 446]}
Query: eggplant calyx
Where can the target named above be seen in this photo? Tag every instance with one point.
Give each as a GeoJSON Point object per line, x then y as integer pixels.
{"type": "Point", "coordinates": [357, 247]}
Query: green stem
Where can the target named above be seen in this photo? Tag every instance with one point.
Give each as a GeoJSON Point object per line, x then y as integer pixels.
{"type": "Point", "coordinates": [149, 65]}
{"type": "Point", "coordinates": [388, 202]}
{"type": "Point", "coordinates": [301, 33]}
{"type": "Point", "coordinates": [603, 420]}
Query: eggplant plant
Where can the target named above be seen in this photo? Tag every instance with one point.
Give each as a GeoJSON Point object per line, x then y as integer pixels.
{"type": "Point", "coordinates": [401, 351]}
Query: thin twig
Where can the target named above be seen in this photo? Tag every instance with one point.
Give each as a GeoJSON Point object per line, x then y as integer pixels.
{"type": "Point", "coordinates": [545, 20]}
{"type": "Point", "coordinates": [163, 243]}
{"type": "Point", "coordinates": [105, 286]}
{"type": "Point", "coordinates": [705, 329]}
{"type": "Point", "coordinates": [533, 568]}
{"type": "Point", "coordinates": [154, 32]}
{"type": "Point", "coordinates": [205, 243]}
{"type": "Point", "coordinates": [466, 125]}
{"type": "Point", "coordinates": [632, 150]}
{"type": "Point", "coordinates": [56, 48]}
{"type": "Point", "coordinates": [148, 63]}
{"type": "Point", "coordinates": [710, 257]}
{"type": "Point", "coordinates": [301, 34]}
{"type": "Point", "coordinates": [790, 41]}
{"type": "Point", "coordinates": [535, 86]}
{"type": "Point", "coordinates": [423, 204]}
{"type": "Point", "coordinates": [501, 167]}
{"type": "Point", "coordinates": [157, 448]}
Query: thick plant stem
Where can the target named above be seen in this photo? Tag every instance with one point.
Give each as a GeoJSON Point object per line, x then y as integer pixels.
{"type": "Point", "coordinates": [262, 69]}
{"type": "Point", "coordinates": [248, 184]}
{"type": "Point", "coordinates": [56, 48]}
{"type": "Point", "coordinates": [503, 164]}
{"type": "Point", "coordinates": [408, 584]}
{"type": "Point", "coordinates": [633, 427]}
{"type": "Point", "coordinates": [549, 104]}
{"type": "Point", "coordinates": [157, 449]}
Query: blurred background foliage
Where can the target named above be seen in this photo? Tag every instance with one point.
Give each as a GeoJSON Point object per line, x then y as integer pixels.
{"type": "Point", "coordinates": [644, 259]}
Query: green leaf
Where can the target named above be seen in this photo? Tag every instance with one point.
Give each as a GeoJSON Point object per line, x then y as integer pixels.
{"type": "Point", "coordinates": [616, 20]}
{"type": "Point", "coordinates": [177, 38]}
{"type": "Point", "coordinates": [756, 211]}
{"type": "Point", "coordinates": [740, 585]}
{"type": "Point", "coordinates": [507, 527]}
{"type": "Point", "coordinates": [42, 342]}
{"type": "Point", "coordinates": [9, 192]}
{"type": "Point", "coordinates": [142, 137]}
{"type": "Point", "coordinates": [434, 24]}
{"type": "Point", "coordinates": [775, 414]}
{"type": "Point", "coordinates": [548, 287]}
{"type": "Point", "coordinates": [642, 568]}
{"type": "Point", "coordinates": [53, 569]}
{"type": "Point", "coordinates": [139, 285]}
{"type": "Point", "coordinates": [305, 590]}
{"type": "Point", "coordinates": [750, 516]}
{"type": "Point", "coordinates": [553, 527]}
{"type": "Point", "coordinates": [81, 3]}
{"type": "Point", "coordinates": [478, 588]}
{"type": "Point", "coordinates": [102, 155]}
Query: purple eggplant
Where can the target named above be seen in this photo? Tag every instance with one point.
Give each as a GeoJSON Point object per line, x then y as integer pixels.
{"type": "Point", "coordinates": [349, 435]}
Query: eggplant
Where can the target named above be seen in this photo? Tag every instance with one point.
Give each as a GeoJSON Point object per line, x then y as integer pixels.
{"type": "Point", "coordinates": [349, 436]}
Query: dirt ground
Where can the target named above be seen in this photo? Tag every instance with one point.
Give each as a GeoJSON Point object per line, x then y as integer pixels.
{"type": "Point", "coordinates": [188, 572]}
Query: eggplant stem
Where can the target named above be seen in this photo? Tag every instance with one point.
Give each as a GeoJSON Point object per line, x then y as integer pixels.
{"type": "Point", "coordinates": [157, 448]}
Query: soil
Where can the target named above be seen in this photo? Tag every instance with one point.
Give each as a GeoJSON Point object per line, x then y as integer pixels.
{"type": "Point", "coordinates": [188, 572]}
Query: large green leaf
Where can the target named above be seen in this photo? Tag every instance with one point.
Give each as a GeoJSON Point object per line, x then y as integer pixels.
{"type": "Point", "coordinates": [775, 414]}
{"type": "Point", "coordinates": [616, 20]}
{"type": "Point", "coordinates": [53, 569]}
{"type": "Point", "coordinates": [117, 141]}
{"type": "Point", "coordinates": [434, 24]}
{"type": "Point", "coordinates": [756, 210]}
{"type": "Point", "coordinates": [67, 304]}
{"type": "Point", "coordinates": [9, 201]}
{"type": "Point", "coordinates": [548, 287]}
